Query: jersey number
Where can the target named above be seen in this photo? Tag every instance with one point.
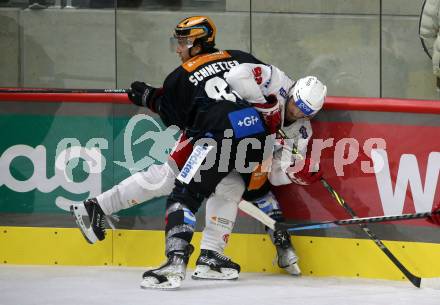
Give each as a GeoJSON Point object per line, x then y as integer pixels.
{"type": "Point", "coordinates": [217, 88]}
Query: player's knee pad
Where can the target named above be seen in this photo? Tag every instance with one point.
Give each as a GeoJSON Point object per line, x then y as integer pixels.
{"type": "Point", "coordinates": [179, 229]}
{"type": "Point", "coordinates": [220, 219]}
{"type": "Point", "coordinates": [270, 205]}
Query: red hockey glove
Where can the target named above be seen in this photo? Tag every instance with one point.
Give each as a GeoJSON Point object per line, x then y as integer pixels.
{"type": "Point", "coordinates": [271, 112]}
{"type": "Point", "coordinates": [303, 176]}
{"type": "Point", "coordinates": [435, 219]}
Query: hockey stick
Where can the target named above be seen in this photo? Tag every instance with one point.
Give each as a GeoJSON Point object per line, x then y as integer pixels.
{"type": "Point", "coordinates": [262, 217]}
{"type": "Point", "coordinates": [256, 213]}
{"type": "Point", "coordinates": [415, 280]}
{"type": "Point", "coordinates": [61, 90]}
{"type": "Point", "coordinates": [353, 221]}
{"type": "Point", "coordinates": [259, 215]}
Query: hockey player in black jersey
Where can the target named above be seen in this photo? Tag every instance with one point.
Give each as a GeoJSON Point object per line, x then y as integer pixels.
{"type": "Point", "coordinates": [186, 100]}
{"type": "Point", "coordinates": [197, 99]}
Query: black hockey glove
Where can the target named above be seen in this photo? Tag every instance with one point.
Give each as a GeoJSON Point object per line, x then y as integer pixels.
{"type": "Point", "coordinates": [141, 93]}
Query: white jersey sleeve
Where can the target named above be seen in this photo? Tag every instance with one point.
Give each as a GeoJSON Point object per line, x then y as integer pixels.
{"type": "Point", "coordinates": [246, 79]}
{"type": "Point", "coordinates": [298, 134]}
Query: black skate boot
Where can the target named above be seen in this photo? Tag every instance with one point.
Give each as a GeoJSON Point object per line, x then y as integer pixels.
{"type": "Point", "coordinates": [286, 256]}
{"type": "Point", "coordinates": [171, 274]}
{"type": "Point", "coordinates": [212, 265]}
{"type": "Point", "coordinates": [96, 229]}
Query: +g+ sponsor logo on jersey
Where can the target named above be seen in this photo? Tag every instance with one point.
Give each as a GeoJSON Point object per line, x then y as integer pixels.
{"type": "Point", "coordinates": [245, 122]}
{"type": "Point", "coordinates": [248, 121]}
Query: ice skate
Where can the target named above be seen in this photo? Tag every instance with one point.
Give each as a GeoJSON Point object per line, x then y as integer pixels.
{"type": "Point", "coordinates": [212, 265]}
{"type": "Point", "coordinates": [170, 275]}
{"type": "Point", "coordinates": [286, 256]}
{"type": "Point", "coordinates": [96, 229]}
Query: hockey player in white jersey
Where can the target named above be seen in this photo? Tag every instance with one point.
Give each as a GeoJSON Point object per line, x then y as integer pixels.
{"type": "Point", "coordinates": [271, 90]}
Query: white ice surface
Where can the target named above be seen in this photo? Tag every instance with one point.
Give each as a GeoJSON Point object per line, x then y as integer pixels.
{"type": "Point", "coordinates": [42, 285]}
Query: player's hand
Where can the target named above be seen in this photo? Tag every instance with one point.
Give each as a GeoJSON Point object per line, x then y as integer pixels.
{"type": "Point", "coordinates": [303, 176]}
{"type": "Point", "coordinates": [141, 93]}
{"type": "Point", "coordinates": [271, 99]}
{"type": "Point", "coordinates": [271, 112]}
{"type": "Point", "coordinates": [435, 219]}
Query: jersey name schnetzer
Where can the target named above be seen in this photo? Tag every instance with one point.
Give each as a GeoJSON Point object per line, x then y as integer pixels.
{"type": "Point", "coordinates": [207, 72]}
{"type": "Point", "coordinates": [211, 69]}
{"type": "Point", "coordinates": [203, 67]}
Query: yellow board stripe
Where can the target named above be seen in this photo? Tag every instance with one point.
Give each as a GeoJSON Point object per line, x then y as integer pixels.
{"type": "Point", "coordinates": [319, 256]}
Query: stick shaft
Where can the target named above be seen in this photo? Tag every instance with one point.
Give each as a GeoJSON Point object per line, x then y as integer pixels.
{"type": "Point", "coordinates": [256, 213]}
{"type": "Point", "coordinates": [352, 221]}
{"type": "Point", "coordinates": [62, 90]}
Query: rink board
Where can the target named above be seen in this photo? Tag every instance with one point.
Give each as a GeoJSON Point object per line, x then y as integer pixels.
{"type": "Point", "coordinates": [36, 227]}
{"type": "Point", "coordinates": [320, 256]}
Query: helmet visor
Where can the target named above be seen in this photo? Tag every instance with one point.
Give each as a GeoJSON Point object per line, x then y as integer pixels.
{"type": "Point", "coordinates": [180, 42]}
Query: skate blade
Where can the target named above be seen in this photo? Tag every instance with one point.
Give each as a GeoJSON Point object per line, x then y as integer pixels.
{"type": "Point", "coordinates": [293, 269]}
{"type": "Point", "coordinates": [150, 282]}
{"type": "Point", "coordinates": [87, 232]}
{"type": "Point", "coordinates": [203, 272]}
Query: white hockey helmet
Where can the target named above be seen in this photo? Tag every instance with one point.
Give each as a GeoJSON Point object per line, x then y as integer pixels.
{"type": "Point", "coordinates": [308, 94]}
